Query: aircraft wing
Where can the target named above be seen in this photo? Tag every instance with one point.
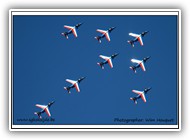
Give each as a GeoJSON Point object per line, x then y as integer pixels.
{"type": "Point", "coordinates": [47, 112]}
{"type": "Point", "coordinates": [136, 61]}
{"type": "Point", "coordinates": [134, 35]}
{"type": "Point", "coordinates": [142, 66]}
{"type": "Point", "coordinates": [107, 36]}
{"type": "Point", "coordinates": [41, 106]}
{"type": "Point", "coordinates": [105, 33]}
{"type": "Point", "coordinates": [74, 32]}
{"type": "Point", "coordinates": [143, 97]}
{"type": "Point", "coordinates": [141, 93]}
{"type": "Point", "coordinates": [104, 57]}
{"type": "Point", "coordinates": [71, 81]}
{"type": "Point", "coordinates": [101, 31]}
{"type": "Point", "coordinates": [140, 40]}
{"type": "Point", "coordinates": [110, 63]}
{"type": "Point", "coordinates": [68, 27]}
{"type": "Point", "coordinates": [137, 92]}
{"type": "Point", "coordinates": [72, 29]}
{"type": "Point", "coordinates": [77, 87]}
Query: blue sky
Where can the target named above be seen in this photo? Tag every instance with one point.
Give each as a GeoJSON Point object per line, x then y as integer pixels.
{"type": "Point", "coordinates": [43, 59]}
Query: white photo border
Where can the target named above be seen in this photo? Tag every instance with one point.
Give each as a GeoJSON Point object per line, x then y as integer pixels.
{"type": "Point", "coordinates": [13, 12]}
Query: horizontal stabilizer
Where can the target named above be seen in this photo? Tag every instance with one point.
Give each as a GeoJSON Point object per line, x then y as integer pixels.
{"type": "Point", "coordinates": [38, 114]}
{"type": "Point", "coordinates": [133, 99]}
{"type": "Point", "coordinates": [67, 89]}
{"type": "Point", "coordinates": [134, 69]}
{"type": "Point", "coordinates": [98, 38]}
{"type": "Point", "coordinates": [131, 43]}
{"type": "Point", "coordinates": [101, 65]}
{"type": "Point", "coordinates": [65, 34]}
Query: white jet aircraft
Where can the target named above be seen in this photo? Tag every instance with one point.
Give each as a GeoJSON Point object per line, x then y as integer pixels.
{"type": "Point", "coordinates": [105, 33]}
{"type": "Point", "coordinates": [45, 108]}
{"type": "Point", "coordinates": [138, 37]}
{"type": "Point", "coordinates": [141, 94]}
{"type": "Point", "coordinates": [140, 63]}
{"type": "Point", "coordinates": [72, 29]}
{"type": "Point", "coordinates": [108, 59]}
{"type": "Point", "coordinates": [73, 84]}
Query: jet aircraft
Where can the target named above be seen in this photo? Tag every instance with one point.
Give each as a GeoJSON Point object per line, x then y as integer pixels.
{"type": "Point", "coordinates": [74, 84]}
{"type": "Point", "coordinates": [138, 37]}
{"type": "Point", "coordinates": [72, 29]}
{"type": "Point", "coordinates": [45, 108]}
{"type": "Point", "coordinates": [141, 94]}
{"type": "Point", "coordinates": [105, 33]}
{"type": "Point", "coordinates": [107, 60]}
{"type": "Point", "coordinates": [140, 63]}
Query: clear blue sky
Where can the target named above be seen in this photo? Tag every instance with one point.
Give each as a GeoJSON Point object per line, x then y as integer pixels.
{"type": "Point", "coordinates": [43, 59]}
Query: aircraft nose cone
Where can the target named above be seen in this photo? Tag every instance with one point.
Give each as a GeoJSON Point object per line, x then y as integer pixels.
{"type": "Point", "coordinates": [82, 78]}
{"type": "Point", "coordinates": [114, 55]}
{"type": "Point", "coordinates": [148, 89]}
{"type": "Point", "coordinates": [110, 29]}
{"type": "Point", "coordinates": [145, 32]}
{"type": "Point", "coordinates": [79, 24]}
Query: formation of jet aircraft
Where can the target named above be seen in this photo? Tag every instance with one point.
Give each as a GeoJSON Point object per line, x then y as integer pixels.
{"type": "Point", "coordinates": [107, 60]}
{"type": "Point", "coordinates": [140, 63]}
{"type": "Point", "coordinates": [74, 84]}
{"type": "Point", "coordinates": [141, 94]}
{"type": "Point", "coordinates": [72, 29]}
{"type": "Point", "coordinates": [45, 108]}
{"type": "Point", "coordinates": [104, 33]}
{"type": "Point", "coordinates": [137, 37]}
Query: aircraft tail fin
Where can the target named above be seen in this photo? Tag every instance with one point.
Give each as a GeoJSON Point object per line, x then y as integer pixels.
{"type": "Point", "coordinates": [98, 38]}
{"type": "Point", "coordinates": [68, 89]}
{"type": "Point", "coordinates": [38, 114]}
{"type": "Point", "coordinates": [101, 65]}
{"type": "Point", "coordinates": [131, 42]}
{"type": "Point", "coordinates": [133, 68]}
{"type": "Point", "coordinates": [134, 99]}
{"type": "Point", "coordinates": [65, 34]}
